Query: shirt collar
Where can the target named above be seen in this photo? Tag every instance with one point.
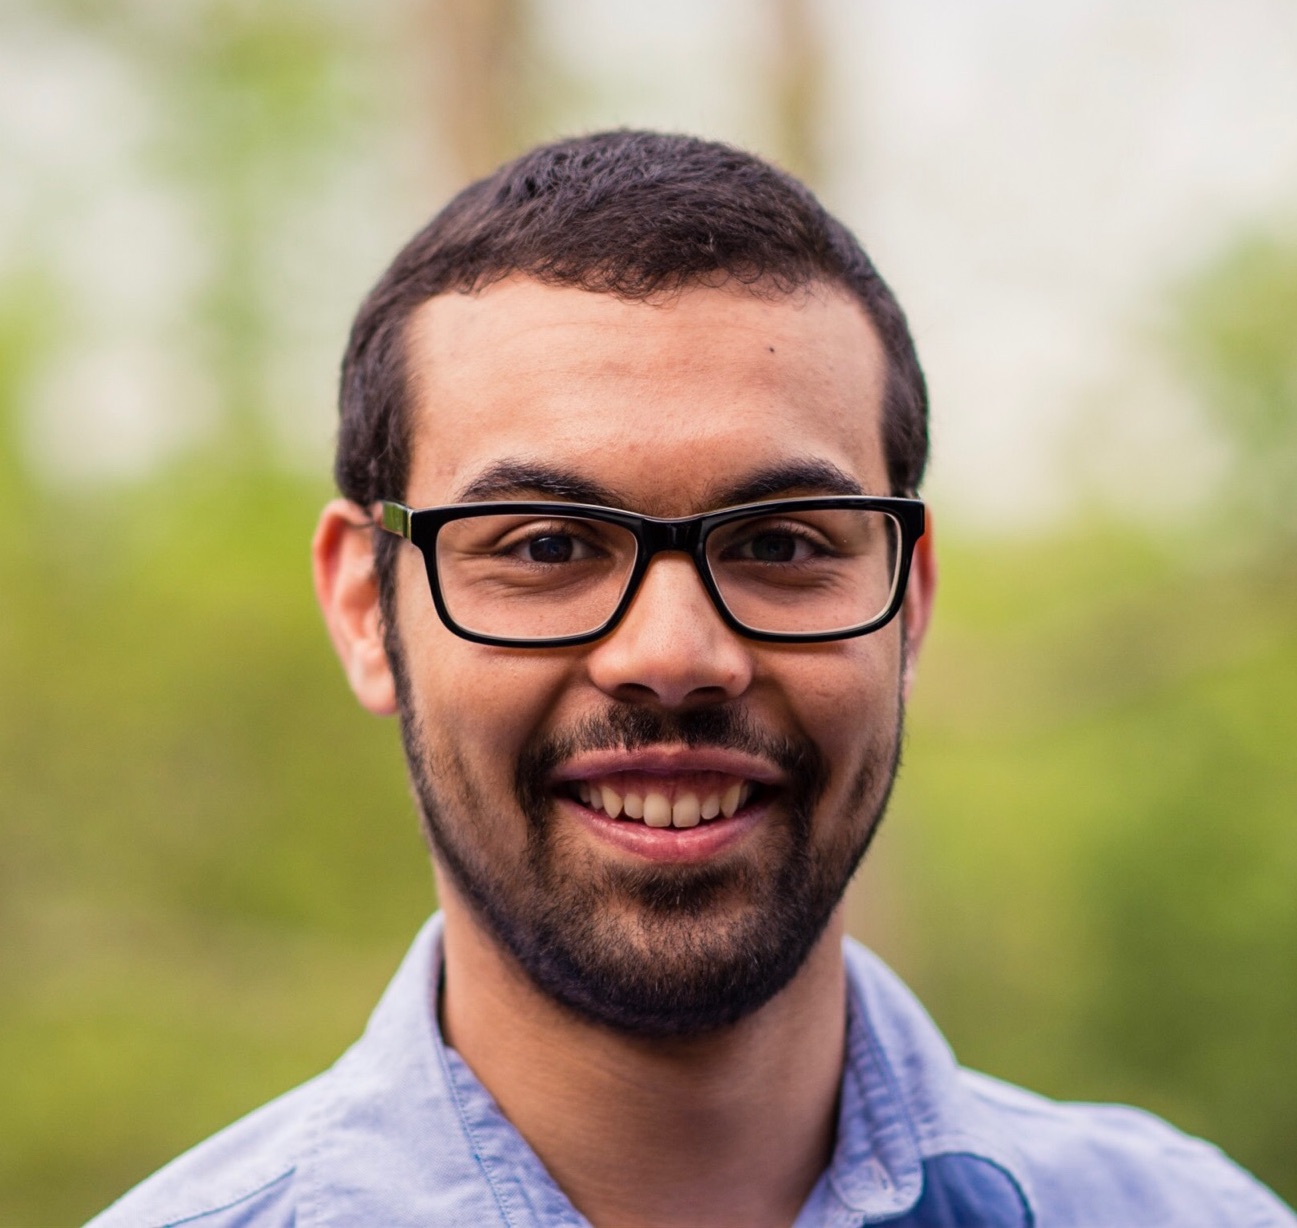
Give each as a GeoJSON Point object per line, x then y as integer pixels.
{"type": "Point", "coordinates": [904, 1098]}
{"type": "Point", "coordinates": [391, 1145]}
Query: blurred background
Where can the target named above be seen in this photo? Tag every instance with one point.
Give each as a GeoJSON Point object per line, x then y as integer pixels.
{"type": "Point", "coordinates": [209, 865]}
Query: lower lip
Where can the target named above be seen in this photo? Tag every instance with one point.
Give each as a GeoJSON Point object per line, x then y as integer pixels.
{"type": "Point", "coordinates": [674, 844]}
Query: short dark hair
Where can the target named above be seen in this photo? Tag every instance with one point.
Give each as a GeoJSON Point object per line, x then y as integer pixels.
{"type": "Point", "coordinates": [633, 214]}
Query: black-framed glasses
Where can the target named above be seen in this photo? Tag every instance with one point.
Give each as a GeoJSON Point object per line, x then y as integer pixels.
{"type": "Point", "coordinates": [519, 574]}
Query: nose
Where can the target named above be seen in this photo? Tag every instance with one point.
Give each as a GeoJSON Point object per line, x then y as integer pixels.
{"type": "Point", "coordinates": [671, 648]}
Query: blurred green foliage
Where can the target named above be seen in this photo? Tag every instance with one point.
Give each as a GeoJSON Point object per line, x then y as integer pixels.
{"type": "Point", "coordinates": [209, 864]}
{"type": "Point", "coordinates": [1235, 332]}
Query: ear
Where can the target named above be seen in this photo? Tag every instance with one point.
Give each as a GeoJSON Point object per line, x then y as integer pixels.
{"type": "Point", "coordinates": [346, 586]}
{"type": "Point", "coordinates": [916, 613]}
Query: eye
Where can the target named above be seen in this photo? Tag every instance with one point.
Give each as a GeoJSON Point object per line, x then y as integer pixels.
{"type": "Point", "coordinates": [552, 545]}
{"type": "Point", "coordinates": [774, 543]}
{"type": "Point", "coordinates": [556, 548]}
{"type": "Point", "coordinates": [772, 547]}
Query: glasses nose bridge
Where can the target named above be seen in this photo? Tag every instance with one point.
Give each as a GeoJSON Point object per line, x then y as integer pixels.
{"type": "Point", "coordinates": [663, 536]}
{"type": "Point", "coordinates": [672, 537]}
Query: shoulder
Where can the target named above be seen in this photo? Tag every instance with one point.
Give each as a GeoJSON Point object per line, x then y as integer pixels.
{"type": "Point", "coordinates": [355, 1140]}
{"type": "Point", "coordinates": [1103, 1163]}
{"type": "Point", "coordinates": [242, 1176]}
{"type": "Point", "coordinates": [1073, 1165]}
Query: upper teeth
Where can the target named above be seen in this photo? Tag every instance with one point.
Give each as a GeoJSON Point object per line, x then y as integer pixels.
{"type": "Point", "coordinates": [657, 810]}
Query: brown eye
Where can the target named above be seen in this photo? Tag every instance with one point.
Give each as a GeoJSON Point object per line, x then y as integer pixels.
{"type": "Point", "coordinates": [556, 549]}
{"type": "Point", "coordinates": [773, 548]}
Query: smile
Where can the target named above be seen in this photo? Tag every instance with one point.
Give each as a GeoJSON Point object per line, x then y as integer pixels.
{"type": "Point", "coordinates": [700, 791]}
{"type": "Point", "coordinates": [683, 800]}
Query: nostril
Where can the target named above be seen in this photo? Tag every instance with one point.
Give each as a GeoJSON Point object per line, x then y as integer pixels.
{"type": "Point", "coordinates": [667, 697]}
{"type": "Point", "coordinates": [635, 692]}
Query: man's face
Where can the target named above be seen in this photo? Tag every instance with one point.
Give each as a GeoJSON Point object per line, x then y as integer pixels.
{"type": "Point", "coordinates": [521, 757]}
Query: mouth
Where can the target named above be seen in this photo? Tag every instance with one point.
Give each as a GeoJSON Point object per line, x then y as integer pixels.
{"type": "Point", "coordinates": [660, 800]}
{"type": "Point", "coordinates": [669, 801]}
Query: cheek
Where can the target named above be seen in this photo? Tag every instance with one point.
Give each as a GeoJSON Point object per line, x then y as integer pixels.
{"type": "Point", "coordinates": [846, 700]}
{"type": "Point", "coordinates": [458, 694]}
{"type": "Point", "coordinates": [482, 704]}
{"type": "Point", "coordinates": [477, 712]}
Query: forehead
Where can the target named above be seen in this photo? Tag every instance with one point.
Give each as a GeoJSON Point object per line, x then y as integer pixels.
{"type": "Point", "coordinates": [662, 406]}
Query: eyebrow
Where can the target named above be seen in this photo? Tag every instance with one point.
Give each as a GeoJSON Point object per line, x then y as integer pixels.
{"type": "Point", "coordinates": [798, 475]}
{"type": "Point", "coordinates": [510, 479]}
{"type": "Point", "coordinates": [514, 479]}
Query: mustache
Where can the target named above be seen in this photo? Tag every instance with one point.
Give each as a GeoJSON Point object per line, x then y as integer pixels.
{"type": "Point", "coordinates": [629, 727]}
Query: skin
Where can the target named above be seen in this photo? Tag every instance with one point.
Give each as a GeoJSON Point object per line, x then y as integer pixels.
{"type": "Point", "coordinates": [664, 405]}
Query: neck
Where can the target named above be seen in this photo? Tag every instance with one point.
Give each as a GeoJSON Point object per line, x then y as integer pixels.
{"type": "Point", "coordinates": [734, 1127]}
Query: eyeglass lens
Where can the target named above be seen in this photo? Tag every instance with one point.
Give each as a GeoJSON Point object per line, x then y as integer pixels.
{"type": "Point", "coordinates": [539, 577]}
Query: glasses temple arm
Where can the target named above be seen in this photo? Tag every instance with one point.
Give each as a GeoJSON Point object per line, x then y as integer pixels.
{"type": "Point", "coordinates": [395, 518]}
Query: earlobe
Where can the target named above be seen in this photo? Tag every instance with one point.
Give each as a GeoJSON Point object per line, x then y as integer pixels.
{"type": "Point", "coordinates": [346, 586]}
{"type": "Point", "coordinates": [916, 613]}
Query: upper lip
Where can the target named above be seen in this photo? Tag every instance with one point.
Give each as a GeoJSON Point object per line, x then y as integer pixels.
{"type": "Point", "coordinates": [668, 761]}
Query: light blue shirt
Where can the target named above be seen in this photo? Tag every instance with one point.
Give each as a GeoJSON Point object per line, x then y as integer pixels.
{"type": "Point", "coordinates": [400, 1134]}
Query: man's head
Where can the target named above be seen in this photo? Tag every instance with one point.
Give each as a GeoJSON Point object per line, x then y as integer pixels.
{"type": "Point", "coordinates": [669, 327]}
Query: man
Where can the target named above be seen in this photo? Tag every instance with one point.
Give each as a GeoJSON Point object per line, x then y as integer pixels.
{"type": "Point", "coordinates": [631, 435]}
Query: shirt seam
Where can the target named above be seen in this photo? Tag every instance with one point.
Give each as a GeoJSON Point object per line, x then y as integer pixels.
{"type": "Point", "coordinates": [893, 1090]}
{"type": "Point", "coordinates": [309, 1206]}
{"type": "Point", "coordinates": [226, 1206]}
{"type": "Point", "coordinates": [502, 1203]}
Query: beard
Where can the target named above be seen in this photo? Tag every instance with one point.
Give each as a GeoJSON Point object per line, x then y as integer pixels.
{"type": "Point", "coordinates": [653, 950]}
